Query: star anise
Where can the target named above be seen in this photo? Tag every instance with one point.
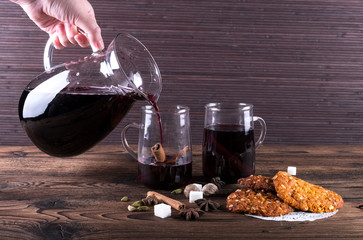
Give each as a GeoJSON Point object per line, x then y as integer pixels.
{"type": "Point", "coordinates": [191, 213]}
{"type": "Point", "coordinates": [151, 200]}
{"type": "Point", "coordinates": [218, 182]}
{"type": "Point", "coordinates": [207, 205]}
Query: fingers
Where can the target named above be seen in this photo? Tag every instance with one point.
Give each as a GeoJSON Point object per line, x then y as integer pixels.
{"type": "Point", "coordinates": [62, 35]}
{"type": "Point", "coordinates": [64, 18]}
{"type": "Point", "coordinates": [82, 40]}
{"type": "Point", "coordinates": [71, 32]}
{"type": "Point", "coordinates": [75, 37]}
{"type": "Point", "coordinates": [87, 22]}
{"type": "Point", "coordinates": [66, 35]}
{"type": "Point", "coordinates": [56, 42]}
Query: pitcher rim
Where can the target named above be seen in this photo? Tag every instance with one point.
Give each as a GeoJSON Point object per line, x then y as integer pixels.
{"type": "Point", "coordinates": [151, 58]}
{"type": "Point", "coordinates": [168, 108]}
{"type": "Point", "coordinates": [243, 106]}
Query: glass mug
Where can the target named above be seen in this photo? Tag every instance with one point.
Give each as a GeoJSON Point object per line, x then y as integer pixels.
{"type": "Point", "coordinates": [229, 142]}
{"type": "Point", "coordinates": [164, 148]}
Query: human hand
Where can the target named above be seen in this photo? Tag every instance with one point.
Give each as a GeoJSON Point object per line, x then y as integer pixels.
{"type": "Point", "coordinates": [61, 20]}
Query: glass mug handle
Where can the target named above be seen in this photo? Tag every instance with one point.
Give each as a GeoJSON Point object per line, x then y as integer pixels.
{"type": "Point", "coordinates": [124, 140]}
{"type": "Point", "coordinates": [263, 131]}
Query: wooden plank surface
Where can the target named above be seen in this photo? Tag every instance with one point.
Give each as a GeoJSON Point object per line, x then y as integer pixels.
{"type": "Point", "coordinates": [42, 197]}
{"type": "Point", "coordinates": [298, 62]}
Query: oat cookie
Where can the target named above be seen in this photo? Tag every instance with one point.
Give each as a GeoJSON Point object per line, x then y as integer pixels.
{"type": "Point", "coordinates": [258, 183]}
{"type": "Point", "coordinates": [305, 196]}
{"type": "Point", "coordinates": [257, 202]}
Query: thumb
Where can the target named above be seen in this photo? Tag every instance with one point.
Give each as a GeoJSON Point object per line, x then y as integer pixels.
{"type": "Point", "coordinates": [86, 20]}
{"type": "Point", "coordinates": [93, 31]}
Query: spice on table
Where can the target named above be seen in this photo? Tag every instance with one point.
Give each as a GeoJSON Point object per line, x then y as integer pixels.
{"type": "Point", "coordinates": [172, 202]}
{"type": "Point", "coordinates": [199, 186]}
{"type": "Point", "coordinates": [191, 213]}
{"type": "Point", "coordinates": [151, 200]}
{"type": "Point", "coordinates": [177, 191]}
{"type": "Point", "coordinates": [218, 182]}
{"type": "Point", "coordinates": [207, 205]}
{"type": "Point", "coordinates": [138, 204]}
{"type": "Point", "coordinates": [209, 189]}
{"type": "Point", "coordinates": [188, 188]}
{"type": "Point", "coordinates": [143, 208]}
{"type": "Point", "coordinates": [131, 208]}
{"type": "Point", "coordinates": [137, 209]}
{"type": "Point", "coordinates": [187, 213]}
{"type": "Point", "coordinates": [124, 199]}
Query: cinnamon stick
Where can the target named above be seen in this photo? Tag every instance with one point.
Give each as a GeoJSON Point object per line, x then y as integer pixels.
{"type": "Point", "coordinates": [182, 152]}
{"type": "Point", "coordinates": [179, 155]}
{"type": "Point", "coordinates": [158, 152]}
{"type": "Point", "coordinates": [172, 202]}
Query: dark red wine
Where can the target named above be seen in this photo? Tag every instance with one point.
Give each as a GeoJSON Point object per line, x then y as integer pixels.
{"type": "Point", "coordinates": [164, 176]}
{"type": "Point", "coordinates": [156, 107]}
{"type": "Point", "coordinates": [228, 152]}
{"type": "Point", "coordinates": [71, 122]}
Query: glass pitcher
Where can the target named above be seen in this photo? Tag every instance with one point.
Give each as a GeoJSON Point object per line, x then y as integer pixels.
{"type": "Point", "coordinates": [70, 107]}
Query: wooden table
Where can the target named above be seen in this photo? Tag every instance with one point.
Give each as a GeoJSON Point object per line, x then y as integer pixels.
{"type": "Point", "coordinates": [42, 197]}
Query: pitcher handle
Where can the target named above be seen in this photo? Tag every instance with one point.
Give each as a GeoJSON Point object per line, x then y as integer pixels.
{"type": "Point", "coordinates": [124, 140]}
{"type": "Point", "coordinates": [48, 55]}
{"type": "Point", "coordinates": [49, 48]}
{"type": "Point", "coordinates": [263, 131]}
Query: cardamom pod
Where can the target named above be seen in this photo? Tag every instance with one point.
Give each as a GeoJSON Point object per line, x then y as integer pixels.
{"type": "Point", "coordinates": [131, 208]}
{"type": "Point", "coordinates": [143, 208]}
{"type": "Point", "coordinates": [125, 199]}
{"type": "Point", "coordinates": [138, 204]}
{"type": "Point", "coordinates": [178, 191]}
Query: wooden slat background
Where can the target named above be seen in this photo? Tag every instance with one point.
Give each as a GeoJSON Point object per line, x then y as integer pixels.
{"type": "Point", "coordinates": [298, 62]}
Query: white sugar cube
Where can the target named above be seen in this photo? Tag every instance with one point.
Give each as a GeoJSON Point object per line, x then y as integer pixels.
{"type": "Point", "coordinates": [291, 170]}
{"type": "Point", "coordinates": [195, 195]}
{"type": "Point", "coordinates": [200, 186]}
{"type": "Point", "coordinates": [162, 210]}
